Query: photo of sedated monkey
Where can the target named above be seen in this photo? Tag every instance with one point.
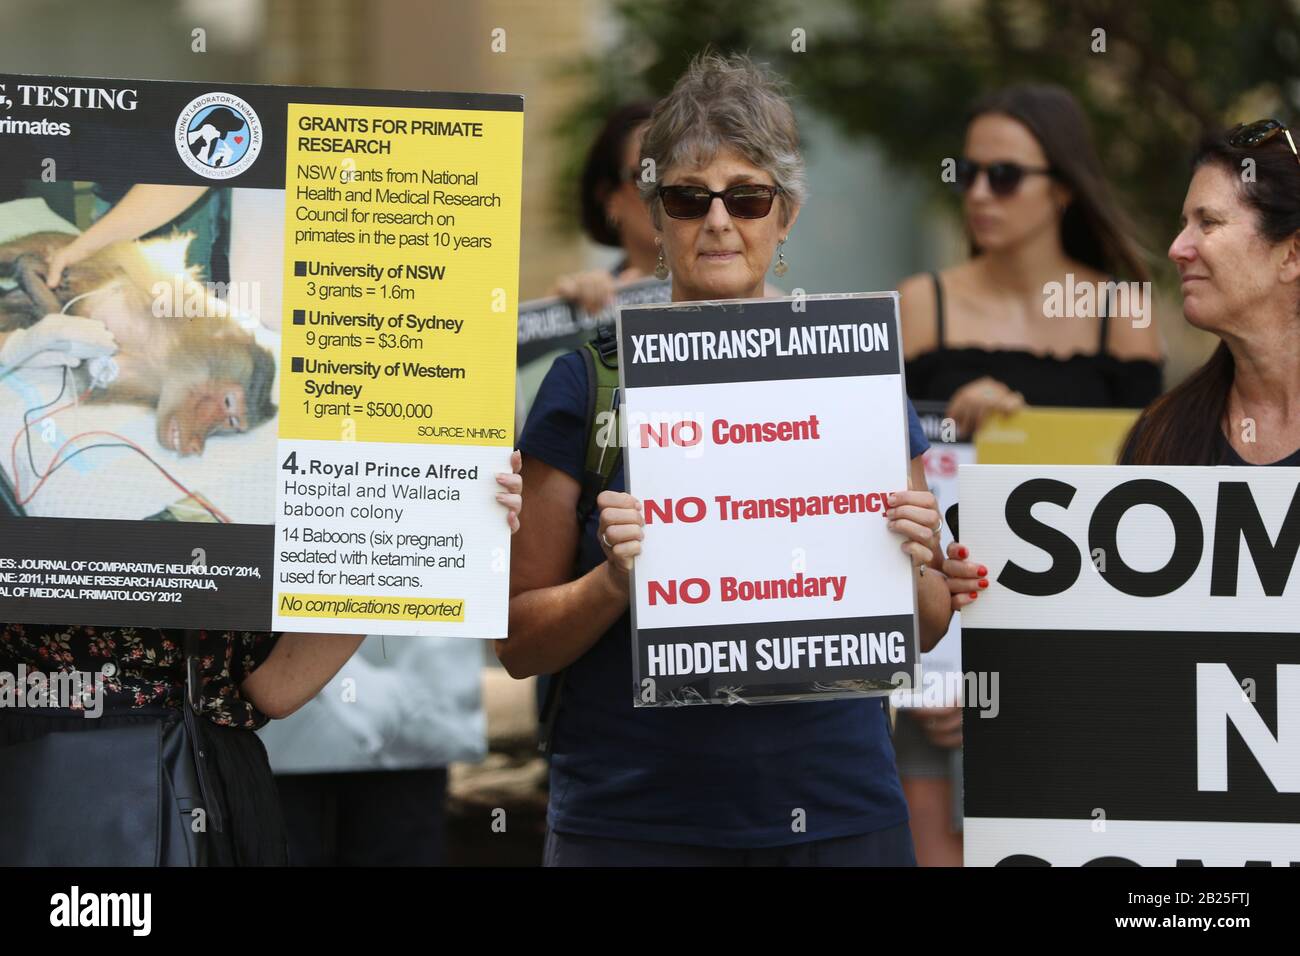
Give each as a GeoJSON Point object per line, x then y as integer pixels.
{"type": "Point", "coordinates": [139, 354]}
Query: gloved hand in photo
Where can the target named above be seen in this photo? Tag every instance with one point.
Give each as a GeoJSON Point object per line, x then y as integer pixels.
{"type": "Point", "coordinates": [56, 340]}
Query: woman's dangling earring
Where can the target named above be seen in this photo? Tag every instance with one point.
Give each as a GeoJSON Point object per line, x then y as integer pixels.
{"type": "Point", "coordinates": [661, 267]}
{"type": "Point", "coordinates": [781, 268]}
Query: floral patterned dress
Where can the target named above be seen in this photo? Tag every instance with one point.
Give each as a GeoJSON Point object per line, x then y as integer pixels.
{"type": "Point", "coordinates": [144, 667]}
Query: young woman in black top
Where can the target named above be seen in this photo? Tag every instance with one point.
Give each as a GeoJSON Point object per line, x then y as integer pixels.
{"type": "Point", "coordinates": [980, 338]}
{"type": "Point", "coordinates": [978, 335]}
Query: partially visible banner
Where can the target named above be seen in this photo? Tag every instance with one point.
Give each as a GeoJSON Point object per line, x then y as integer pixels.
{"type": "Point", "coordinates": [1055, 436]}
{"type": "Point", "coordinates": [280, 402]}
{"type": "Point", "coordinates": [552, 326]}
{"type": "Point", "coordinates": [1143, 626]}
{"type": "Point", "coordinates": [763, 438]}
{"type": "Point", "coordinates": [941, 671]}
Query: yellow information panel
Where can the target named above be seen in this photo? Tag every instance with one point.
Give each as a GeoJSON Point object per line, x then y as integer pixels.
{"type": "Point", "coordinates": [398, 361]}
{"type": "Point", "coordinates": [1055, 436]}
{"type": "Point", "coordinates": [401, 275]}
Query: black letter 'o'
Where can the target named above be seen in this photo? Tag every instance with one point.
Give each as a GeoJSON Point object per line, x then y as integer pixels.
{"type": "Point", "coordinates": [1189, 538]}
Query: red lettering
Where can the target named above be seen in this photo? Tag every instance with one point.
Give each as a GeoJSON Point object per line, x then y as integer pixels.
{"type": "Point", "coordinates": [648, 434]}
{"type": "Point", "coordinates": [693, 591]}
{"type": "Point", "coordinates": [679, 429]}
{"type": "Point", "coordinates": [688, 510]}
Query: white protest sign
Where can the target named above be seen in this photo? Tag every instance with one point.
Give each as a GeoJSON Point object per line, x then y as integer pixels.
{"type": "Point", "coordinates": [1143, 625]}
{"type": "Point", "coordinates": [764, 437]}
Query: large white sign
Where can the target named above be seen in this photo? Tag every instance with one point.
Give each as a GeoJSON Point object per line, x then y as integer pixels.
{"type": "Point", "coordinates": [764, 438]}
{"type": "Point", "coordinates": [1144, 626]}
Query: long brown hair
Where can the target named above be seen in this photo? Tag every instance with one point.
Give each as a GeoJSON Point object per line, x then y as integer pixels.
{"type": "Point", "coordinates": [1185, 426]}
{"type": "Point", "coordinates": [1094, 229]}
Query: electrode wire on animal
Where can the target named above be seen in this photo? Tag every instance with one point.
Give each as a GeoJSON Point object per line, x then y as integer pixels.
{"type": "Point", "coordinates": [57, 463]}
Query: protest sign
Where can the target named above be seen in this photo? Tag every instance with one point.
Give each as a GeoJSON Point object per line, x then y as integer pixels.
{"type": "Point", "coordinates": [1055, 436]}
{"type": "Point", "coordinates": [552, 326]}
{"type": "Point", "coordinates": [764, 437]}
{"type": "Point", "coordinates": [941, 671]}
{"type": "Point", "coordinates": [294, 378]}
{"type": "Point", "coordinates": [1142, 622]}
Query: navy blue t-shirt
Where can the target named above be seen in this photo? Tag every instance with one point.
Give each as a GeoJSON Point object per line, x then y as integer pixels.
{"type": "Point", "coordinates": [724, 776]}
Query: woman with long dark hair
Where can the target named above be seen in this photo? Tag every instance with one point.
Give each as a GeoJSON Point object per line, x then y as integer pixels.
{"type": "Point", "coordinates": [1238, 255]}
{"type": "Point", "coordinates": [986, 336]}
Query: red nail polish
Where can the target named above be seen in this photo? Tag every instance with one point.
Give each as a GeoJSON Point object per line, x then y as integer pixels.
{"type": "Point", "coordinates": [983, 583]}
{"type": "Point", "coordinates": [974, 595]}
{"type": "Point", "coordinates": [961, 553]}
{"type": "Point", "coordinates": [984, 572]}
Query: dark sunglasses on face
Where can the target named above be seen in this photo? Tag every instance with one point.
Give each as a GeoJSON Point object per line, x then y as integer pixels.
{"type": "Point", "coordinates": [1004, 178]}
{"type": "Point", "coordinates": [1250, 135]}
{"type": "Point", "coordinates": [747, 201]}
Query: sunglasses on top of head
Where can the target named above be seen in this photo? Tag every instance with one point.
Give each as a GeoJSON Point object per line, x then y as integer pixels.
{"type": "Point", "coordinates": [1004, 177]}
{"type": "Point", "coordinates": [746, 201]}
{"type": "Point", "coordinates": [1250, 135]}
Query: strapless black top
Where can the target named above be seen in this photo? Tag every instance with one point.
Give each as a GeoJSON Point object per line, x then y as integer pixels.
{"type": "Point", "coordinates": [1097, 380]}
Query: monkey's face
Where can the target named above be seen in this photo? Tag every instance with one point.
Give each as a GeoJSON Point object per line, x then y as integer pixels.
{"type": "Point", "coordinates": [211, 407]}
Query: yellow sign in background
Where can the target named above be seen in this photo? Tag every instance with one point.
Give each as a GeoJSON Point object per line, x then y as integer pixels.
{"type": "Point", "coordinates": [345, 199]}
{"type": "Point", "coordinates": [1055, 436]}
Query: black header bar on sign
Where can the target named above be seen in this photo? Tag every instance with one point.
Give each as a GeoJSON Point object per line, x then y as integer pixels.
{"type": "Point", "coordinates": [781, 652]}
{"type": "Point", "coordinates": [123, 131]}
{"type": "Point", "coordinates": [762, 340]}
{"type": "Point", "coordinates": [1133, 723]}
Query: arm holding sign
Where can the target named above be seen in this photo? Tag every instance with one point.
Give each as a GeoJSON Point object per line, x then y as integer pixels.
{"type": "Point", "coordinates": [297, 669]}
{"type": "Point", "coordinates": [914, 515]}
{"type": "Point", "coordinates": [555, 620]}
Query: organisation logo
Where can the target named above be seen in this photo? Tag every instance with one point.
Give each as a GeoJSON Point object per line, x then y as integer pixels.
{"type": "Point", "coordinates": [218, 135]}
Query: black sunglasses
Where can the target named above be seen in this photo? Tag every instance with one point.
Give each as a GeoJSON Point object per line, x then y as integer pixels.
{"type": "Point", "coordinates": [748, 201]}
{"type": "Point", "coordinates": [1004, 178]}
{"type": "Point", "coordinates": [1250, 135]}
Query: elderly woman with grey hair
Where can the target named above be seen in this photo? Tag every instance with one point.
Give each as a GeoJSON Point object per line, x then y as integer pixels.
{"type": "Point", "coordinates": [812, 784]}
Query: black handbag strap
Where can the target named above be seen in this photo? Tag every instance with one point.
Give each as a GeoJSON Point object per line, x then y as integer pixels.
{"type": "Point", "coordinates": [192, 708]}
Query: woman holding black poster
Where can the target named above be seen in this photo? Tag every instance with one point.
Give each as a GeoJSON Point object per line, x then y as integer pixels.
{"type": "Point", "coordinates": [810, 785]}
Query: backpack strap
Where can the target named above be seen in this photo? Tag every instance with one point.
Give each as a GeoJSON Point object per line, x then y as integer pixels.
{"type": "Point", "coordinates": [604, 453]}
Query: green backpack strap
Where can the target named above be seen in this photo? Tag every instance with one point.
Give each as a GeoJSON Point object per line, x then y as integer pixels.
{"type": "Point", "coordinates": [604, 452]}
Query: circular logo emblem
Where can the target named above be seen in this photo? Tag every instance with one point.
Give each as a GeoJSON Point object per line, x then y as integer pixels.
{"type": "Point", "coordinates": [218, 135]}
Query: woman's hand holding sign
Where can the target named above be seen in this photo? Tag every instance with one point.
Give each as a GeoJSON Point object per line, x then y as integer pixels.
{"type": "Point", "coordinates": [621, 531]}
{"type": "Point", "coordinates": [965, 578]}
{"type": "Point", "coordinates": [914, 516]}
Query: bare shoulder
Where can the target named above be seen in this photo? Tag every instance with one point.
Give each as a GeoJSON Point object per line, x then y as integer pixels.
{"type": "Point", "coordinates": [1133, 331]}
{"type": "Point", "coordinates": [916, 312]}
